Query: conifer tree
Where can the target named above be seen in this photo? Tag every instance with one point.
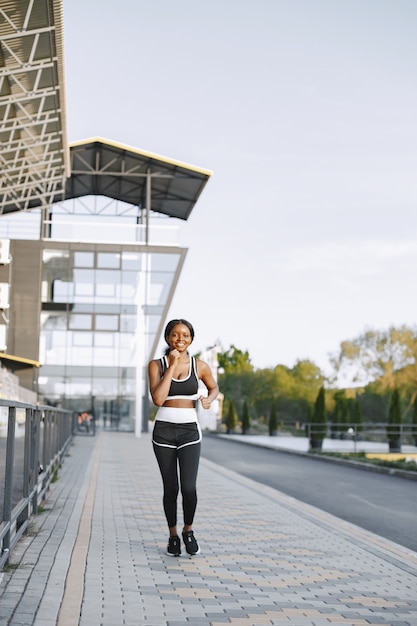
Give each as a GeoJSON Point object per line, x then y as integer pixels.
{"type": "Point", "coordinates": [231, 418]}
{"type": "Point", "coordinates": [273, 419]}
{"type": "Point", "coordinates": [245, 418]}
{"type": "Point", "coordinates": [318, 421]}
{"type": "Point", "coordinates": [394, 422]}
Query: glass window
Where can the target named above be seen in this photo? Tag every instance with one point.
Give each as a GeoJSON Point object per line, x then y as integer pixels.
{"type": "Point", "coordinates": [104, 339]}
{"type": "Point", "coordinates": [79, 356]}
{"type": "Point", "coordinates": [62, 291]}
{"type": "Point", "coordinates": [108, 277]}
{"type": "Point", "coordinates": [128, 288]}
{"type": "Point", "coordinates": [131, 261]}
{"type": "Point", "coordinates": [160, 285]}
{"type": "Point", "coordinates": [83, 289]}
{"type": "Point", "coordinates": [164, 262]}
{"type": "Point", "coordinates": [58, 339]}
{"type": "Point", "coordinates": [82, 339]}
{"type": "Point", "coordinates": [105, 308]}
{"type": "Point", "coordinates": [107, 387]}
{"type": "Point", "coordinates": [83, 259]}
{"type": "Point", "coordinates": [108, 259]}
{"type": "Point", "coordinates": [107, 322]}
{"type": "Point", "coordinates": [80, 321]}
{"type": "Point", "coordinates": [107, 289]}
{"type": "Point", "coordinates": [154, 320]}
{"type": "Point", "coordinates": [127, 323]}
{"type": "Point", "coordinates": [83, 276]}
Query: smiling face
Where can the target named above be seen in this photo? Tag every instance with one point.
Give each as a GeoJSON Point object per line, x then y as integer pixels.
{"type": "Point", "coordinates": [179, 338]}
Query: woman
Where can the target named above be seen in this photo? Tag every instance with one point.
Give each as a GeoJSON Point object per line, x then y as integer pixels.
{"type": "Point", "coordinates": [173, 383]}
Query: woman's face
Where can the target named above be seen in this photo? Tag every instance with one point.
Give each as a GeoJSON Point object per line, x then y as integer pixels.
{"type": "Point", "coordinates": [179, 338]}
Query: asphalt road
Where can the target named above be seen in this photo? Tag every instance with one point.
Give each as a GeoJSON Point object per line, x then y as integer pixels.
{"type": "Point", "coordinates": [383, 504]}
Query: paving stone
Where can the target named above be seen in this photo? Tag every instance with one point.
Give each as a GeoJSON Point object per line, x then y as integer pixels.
{"type": "Point", "coordinates": [288, 564]}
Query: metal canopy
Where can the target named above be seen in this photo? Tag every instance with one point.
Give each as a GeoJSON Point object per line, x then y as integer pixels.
{"type": "Point", "coordinates": [34, 157]}
{"type": "Point", "coordinates": [144, 179]}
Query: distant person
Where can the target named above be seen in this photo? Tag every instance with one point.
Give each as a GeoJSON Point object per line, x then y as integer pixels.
{"type": "Point", "coordinates": [84, 421]}
{"type": "Point", "coordinates": [173, 383]}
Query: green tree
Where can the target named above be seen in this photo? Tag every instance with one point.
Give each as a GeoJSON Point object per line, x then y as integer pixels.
{"type": "Point", "coordinates": [246, 420]}
{"type": "Point", "coordinates": [231, 418]}
{"type": "Point", "coordinates": [308, 378]}
{"type": "Point", "coordinates": [318, 427]}
{"type": "Point", "coordinates": [234, 361]}
{"type": "Point", "coordinates": [374, 404]}
{"type": "Point", "coordinates": [294, 390]}
{"type": "Point", "coordinates": [236, 376]}
{"type": "Point", "coordinates": [378, 355]}
{"type": "Point", "coordinates": [273, 419]}
{"type": "Point", "coordinates": [394, 422]}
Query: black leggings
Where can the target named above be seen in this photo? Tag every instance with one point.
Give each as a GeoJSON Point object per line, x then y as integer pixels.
{"type": "Point", "coordinates": [178, 446]}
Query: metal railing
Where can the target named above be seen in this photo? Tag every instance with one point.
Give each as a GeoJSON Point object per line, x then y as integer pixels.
{"type": "Point", "coordinates": [33, 441]}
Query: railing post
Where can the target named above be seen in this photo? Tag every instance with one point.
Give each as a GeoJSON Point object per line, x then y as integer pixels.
{"type": "Point", "coordinates": [8, 487]}
{"type": "Point", "coordinates": [46, 453]}
{"type": "Point", "coordinates": [34, 461]}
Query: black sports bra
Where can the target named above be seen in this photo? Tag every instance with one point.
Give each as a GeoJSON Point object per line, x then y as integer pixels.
{"type": "Point", "coordinates": [184, 388]}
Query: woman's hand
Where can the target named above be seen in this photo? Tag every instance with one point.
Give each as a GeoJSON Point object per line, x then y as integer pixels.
{"type": "Point", "coordinates": [205, 402]}
{"type": "Point", "coordinates": [173, 357]}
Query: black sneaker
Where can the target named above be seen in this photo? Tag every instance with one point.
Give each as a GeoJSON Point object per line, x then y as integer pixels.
{"type": "Point", "coordinates": [174, 546]}
{"type": "Point", "coordinates": [190, 542]}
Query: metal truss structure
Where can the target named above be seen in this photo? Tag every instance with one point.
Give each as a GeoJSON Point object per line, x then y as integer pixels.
{"type": "Point", "coordinates": [37, 166]}
{"type": "Point", "coordinates": [143, 179]}
{"type": "Point", "coordinates": [34, 154]}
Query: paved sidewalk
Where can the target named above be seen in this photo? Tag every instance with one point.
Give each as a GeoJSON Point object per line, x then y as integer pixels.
{"type": "Point", "coordinates": [96, 556]}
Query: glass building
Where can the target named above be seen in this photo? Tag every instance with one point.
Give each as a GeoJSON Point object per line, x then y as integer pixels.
{"type": "Point", "coordinates": [90, 279]}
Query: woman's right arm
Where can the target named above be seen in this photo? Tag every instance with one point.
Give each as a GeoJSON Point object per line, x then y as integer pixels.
{"type": "Point", "coordinates": [159, 385]}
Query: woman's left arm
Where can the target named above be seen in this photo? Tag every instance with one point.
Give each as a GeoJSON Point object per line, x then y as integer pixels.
{"type": "Point", "coordinates": [204, 373]}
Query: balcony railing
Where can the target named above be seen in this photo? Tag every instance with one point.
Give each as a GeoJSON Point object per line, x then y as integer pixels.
{"type": "Point", "coordinates": [111, 232]}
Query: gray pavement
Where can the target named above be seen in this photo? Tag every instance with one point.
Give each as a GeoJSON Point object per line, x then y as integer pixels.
{"type": "Point", "coordinates": [96, 555]}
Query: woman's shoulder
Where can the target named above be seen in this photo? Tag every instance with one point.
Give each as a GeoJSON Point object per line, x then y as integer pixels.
{"type": "Point", "coordinates": [156, 362]}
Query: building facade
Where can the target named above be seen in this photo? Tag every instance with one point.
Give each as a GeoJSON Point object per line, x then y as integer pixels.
{"type": "Point", "coordinates": [90, 313]}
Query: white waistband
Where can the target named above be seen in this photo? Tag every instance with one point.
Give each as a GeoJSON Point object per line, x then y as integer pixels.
{"type": "Point", "coordinates": [176, 415]}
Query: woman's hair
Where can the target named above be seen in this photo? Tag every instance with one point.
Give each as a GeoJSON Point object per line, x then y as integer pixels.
{"type": "Point", "coordinates": [171, 325]}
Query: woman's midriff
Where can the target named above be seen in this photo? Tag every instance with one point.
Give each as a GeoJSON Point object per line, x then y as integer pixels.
{"type": "Point", "coordinates": [180, 404]}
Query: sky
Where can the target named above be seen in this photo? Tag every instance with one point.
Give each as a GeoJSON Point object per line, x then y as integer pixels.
{"type": "Point", "coordinates": [306, 113]}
